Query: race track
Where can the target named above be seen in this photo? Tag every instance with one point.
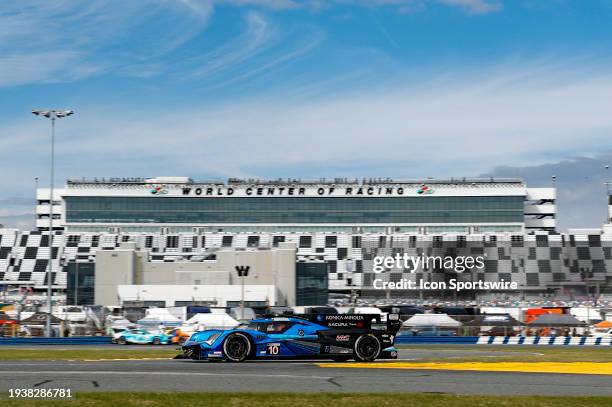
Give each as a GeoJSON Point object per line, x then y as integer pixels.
{"type": "Point", "coordinates": [186, 375]}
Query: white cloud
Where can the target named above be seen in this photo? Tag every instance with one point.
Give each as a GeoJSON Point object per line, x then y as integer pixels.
{"type": "Point", "coordinates": [474, 6]}
{"type": "Point", "coordinates": [254, 40]}
{"type": "Point", "coordinates": [67, 40]}
{"type": "Point", "coordinates": [469, 122]}
{"type": "Point", "coordinates": [406, 6]}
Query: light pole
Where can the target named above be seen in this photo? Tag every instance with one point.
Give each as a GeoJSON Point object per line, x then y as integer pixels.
{"type": "Point", "coordinates": [52, 115]}
{"type": "Point", "coordinates": [243, 271]}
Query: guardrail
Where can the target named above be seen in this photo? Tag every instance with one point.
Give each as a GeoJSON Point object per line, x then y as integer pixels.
{"type": "Point", "coordinates": [503, 340]}
{"type": "Point", "coordinates": [72, 340]}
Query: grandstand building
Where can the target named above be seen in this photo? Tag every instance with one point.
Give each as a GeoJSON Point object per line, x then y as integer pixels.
{"type": "Point", "coordinates": [179, 204]}
{"type": "Point", "coordinates": [345, 224]}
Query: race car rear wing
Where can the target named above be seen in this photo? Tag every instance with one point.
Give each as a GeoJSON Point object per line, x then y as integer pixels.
{"type": "Point", "coordinates": [363, 321]}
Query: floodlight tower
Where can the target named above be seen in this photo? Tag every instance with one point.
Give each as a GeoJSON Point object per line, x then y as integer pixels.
{"type": "Point", "coordinates": [51, 115]}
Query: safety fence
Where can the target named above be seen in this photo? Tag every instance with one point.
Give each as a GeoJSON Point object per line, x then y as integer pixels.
{"type": "Point", "coordinates": [72, 340]}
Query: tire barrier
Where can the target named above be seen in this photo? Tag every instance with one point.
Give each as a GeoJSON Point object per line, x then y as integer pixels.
{"type": "Point", "coordinates": [72, 340]}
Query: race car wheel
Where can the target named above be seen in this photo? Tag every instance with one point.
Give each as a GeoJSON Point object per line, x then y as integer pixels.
{"type": "Point", "coordinates": [156, 341]}
{"type": "Point", "coordinates": [122, 341]}
{"type": "Point", "coordinates": [236, 347]}
{"type": "Point", "coordinates": [367, 348]}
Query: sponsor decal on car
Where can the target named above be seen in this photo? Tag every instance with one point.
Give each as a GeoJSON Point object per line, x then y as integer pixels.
{"type": "Point", "coordinates": [273, 349]}
{"type": "Point", "coordinates": [343, 338]}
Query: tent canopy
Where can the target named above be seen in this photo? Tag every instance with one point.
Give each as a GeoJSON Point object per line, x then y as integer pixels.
{"type": "Point", "coordinates": [556, 320]}
{"type": "Point", "coordinates": [213, 321]}
{"type": "Point", "coordinates": [40, 318]}
{"type": "Point", "coordinates": [159, 316]}
{"type": "Point", "coordinates": [441, 320]}
{"type": "Point", "coordinates": [494, 320]}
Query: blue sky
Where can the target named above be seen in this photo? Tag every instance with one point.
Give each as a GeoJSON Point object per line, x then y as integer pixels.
{"type": "Point", "coordinates": [283, 88]}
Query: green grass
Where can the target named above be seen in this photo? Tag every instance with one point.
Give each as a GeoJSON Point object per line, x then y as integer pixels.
{"type": "Point", "coordinates": [86, 354]}
{"type": "Point", "coordinates": [509, 353]}
{"type": "Point", "coordinates": [304, 400]}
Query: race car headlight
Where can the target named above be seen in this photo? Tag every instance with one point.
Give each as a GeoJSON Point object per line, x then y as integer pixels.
{"type": "Point", "coordinates": [212, 339]}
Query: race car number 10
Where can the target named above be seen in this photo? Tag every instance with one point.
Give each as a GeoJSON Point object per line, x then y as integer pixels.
{"type": "Point", "coordinates": [273, 348]}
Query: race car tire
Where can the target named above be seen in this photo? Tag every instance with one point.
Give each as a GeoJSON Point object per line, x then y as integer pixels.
{"type": "Point", "coordinates": [156, 341]}
{"type": "Point", "coordinates": [237, 347]}
{"type": "Point", "coordinates": [367, 348]}
{"type": "Point", "coordinates": [122, 341]}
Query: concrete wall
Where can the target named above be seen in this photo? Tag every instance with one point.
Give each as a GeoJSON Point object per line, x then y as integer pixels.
{"type": "Point", "coordinates": [113, 268]}
{"type": "Point", "coordinates": [284, 273]}
{"type": "Point", "coordinates": [128, 266]}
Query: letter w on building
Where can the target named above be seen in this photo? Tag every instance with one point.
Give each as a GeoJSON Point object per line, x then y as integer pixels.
{"type": "Point", "coordinates": [243, 271]}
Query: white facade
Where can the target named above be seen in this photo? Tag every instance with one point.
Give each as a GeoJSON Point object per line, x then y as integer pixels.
{"type": "Point", "coordinates": [540, 209]}
{"type": "Point", "coordinates": [217, 294]}
{"type": "Point", "coordinates": [127, 274]}
{"type": "Point", "coordinates": [42, 208]}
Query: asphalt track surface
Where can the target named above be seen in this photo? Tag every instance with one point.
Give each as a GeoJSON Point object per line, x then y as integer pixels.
{"type": "Point", "coordinates": [286, 376]}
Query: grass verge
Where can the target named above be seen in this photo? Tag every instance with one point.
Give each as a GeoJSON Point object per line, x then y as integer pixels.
{"type": "Point", "coordinates": [87, 354]}
{"type": "Point", "coordinates": [304, 400]}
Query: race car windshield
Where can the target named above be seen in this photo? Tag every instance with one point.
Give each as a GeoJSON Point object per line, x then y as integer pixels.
{"type": "Point", "coordinates": [251, 326]}
{"type": "Point", "coordinates": [277, 327]}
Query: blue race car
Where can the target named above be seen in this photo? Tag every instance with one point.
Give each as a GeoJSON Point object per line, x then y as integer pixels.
{"type": "Point", "coordinates": [338, 337]}
{"type": "Point", "coordinates": [140, 336]}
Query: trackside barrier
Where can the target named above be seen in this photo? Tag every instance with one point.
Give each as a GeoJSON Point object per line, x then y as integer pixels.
{"type": "Point", "coordinates": [72, 340]}
{"type": "Point", "coordinates": [503, 340]}
{"type": "Point", "coordinates": [438, 340]}
{"type": "Point", "coordinates": [544, 340]}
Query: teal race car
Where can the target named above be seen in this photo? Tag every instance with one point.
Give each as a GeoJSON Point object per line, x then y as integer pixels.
{"type": "Point", "coordinates": [141, 336]}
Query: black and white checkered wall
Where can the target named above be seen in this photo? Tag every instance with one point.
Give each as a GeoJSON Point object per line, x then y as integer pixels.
{"type": "Point", "coordinates": [534, 261]}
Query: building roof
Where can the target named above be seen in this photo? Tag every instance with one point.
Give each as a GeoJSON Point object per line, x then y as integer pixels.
{"type": "Point", "coordinates": [292, 181]}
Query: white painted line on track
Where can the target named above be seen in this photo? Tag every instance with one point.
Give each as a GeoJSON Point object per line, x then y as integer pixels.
{"type": "Point", "coordinates": [98, 372]}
